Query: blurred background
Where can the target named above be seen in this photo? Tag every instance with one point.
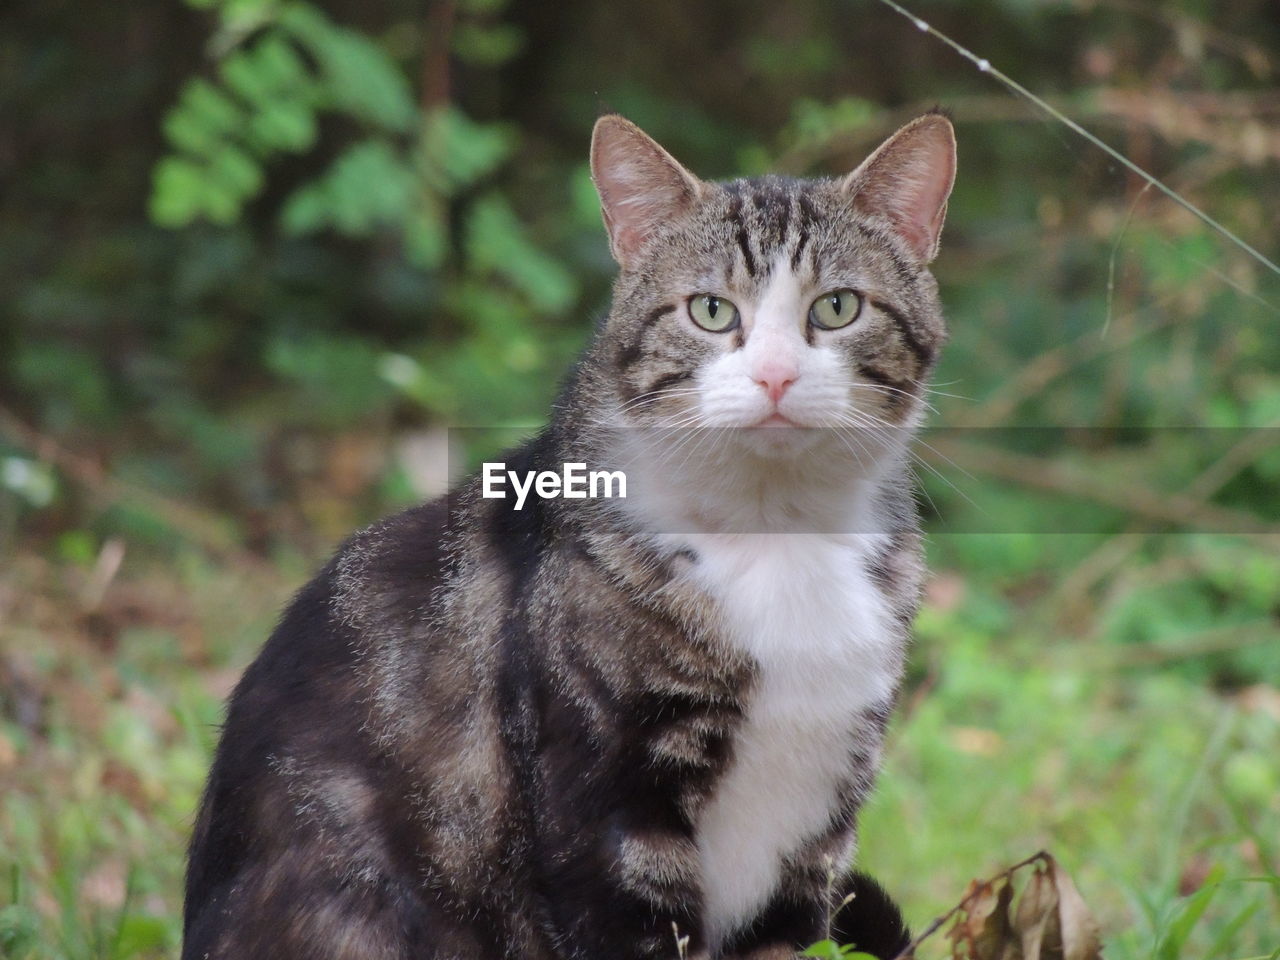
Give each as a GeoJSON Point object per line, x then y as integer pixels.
{"type": "Point", "coordinates": [257, 257]}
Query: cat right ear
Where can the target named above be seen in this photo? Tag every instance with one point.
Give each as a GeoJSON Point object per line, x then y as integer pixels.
{"type": "Point", "coordinates": [641, 186]}
{"type": "Point", "coordinates": [907, 182]}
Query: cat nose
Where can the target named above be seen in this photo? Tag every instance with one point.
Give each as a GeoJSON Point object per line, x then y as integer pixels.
{"type": "Point", "coordinates": [775, 376]}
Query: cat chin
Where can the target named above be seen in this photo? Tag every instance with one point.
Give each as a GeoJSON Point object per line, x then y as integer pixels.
{"type": "Point", "coordinates": [776, 441]}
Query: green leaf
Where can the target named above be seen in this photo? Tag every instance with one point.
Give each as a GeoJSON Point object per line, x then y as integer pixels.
{"type": "Point", "coordinates": [211, 107]}
{"type": "Point", "coordinates": [272, 77]}
{"type": "Point", "coordinates": [358, 75]}
{"type": "Point", "coordinates": [221, 204]}
{"type": "Point", "coordinates": [1179, 931]}
{"type": "Point", "coordinates": [139, 935]}
{"type": "Point", "coordinates": [177, 192]}
{"type": "Point", "coordinates": [496, 241]}
{"type": "Point", "coordinates": [1231, 928]}
{"type": "Point", "coordinates": [454, 151]}
{"type": "Point", "coordinates": [240, 72]}
{"type": "Point", "coordinates": [425, 238]}
{"type": "Point", "coordinates": [237, 170]}
{"type": "Point", "coordinates": [828, 949]}
{"type": "Point", "coordinates": [288, 125]}
{"type": "Point", "coordinates": [202, 117]}
{"type": "Point", "coordinates": [367, 186]}
{"type": "Point", "coordinates": [278, 62]}
{"type": "Point", "coordinates": [185, 130]}
{"type": "Point", "coordinates": [306, 210]}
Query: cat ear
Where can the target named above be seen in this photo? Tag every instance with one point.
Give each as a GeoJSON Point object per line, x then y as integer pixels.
{"type": "Point", "coordinates": [641, 186]}
{"type": "Point", "coordinates": [907, 182]}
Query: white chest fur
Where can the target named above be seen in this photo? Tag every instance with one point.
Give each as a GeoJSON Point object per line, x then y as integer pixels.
{"type": "Point", "coordinates": [803, 606]}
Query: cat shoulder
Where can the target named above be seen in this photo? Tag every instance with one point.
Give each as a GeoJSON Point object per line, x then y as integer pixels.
{"type": "Point", "coordinates": [393, 566]}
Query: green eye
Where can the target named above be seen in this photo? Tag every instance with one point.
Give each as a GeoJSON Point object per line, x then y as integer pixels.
{"type": "Point", "coordinates": [713, 313]}
{"type": "Point", "coordinates": [835, 309]}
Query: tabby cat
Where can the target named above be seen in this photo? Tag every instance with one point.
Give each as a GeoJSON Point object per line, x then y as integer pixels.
{"type": "Point", "coordinates": [592, 728]}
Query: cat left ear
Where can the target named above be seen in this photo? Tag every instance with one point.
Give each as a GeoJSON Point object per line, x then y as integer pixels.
{"type": "Point", "coordinates": [641, 186]}
{"type": "Point", "coordinates": [907, 181]}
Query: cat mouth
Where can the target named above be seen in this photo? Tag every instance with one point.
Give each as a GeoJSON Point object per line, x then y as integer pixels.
{"type": "Point", "coordinates": [776, 419]}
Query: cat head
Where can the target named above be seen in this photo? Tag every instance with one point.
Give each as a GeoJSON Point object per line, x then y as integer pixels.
{"type": "Point", "coordinates": [772, 302]}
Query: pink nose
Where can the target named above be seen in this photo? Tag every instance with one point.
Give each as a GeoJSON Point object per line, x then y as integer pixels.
{"type": "Point", "coordinates": [775, 376]}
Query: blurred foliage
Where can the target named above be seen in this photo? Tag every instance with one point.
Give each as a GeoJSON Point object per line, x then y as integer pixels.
{"type": "Point", "coordinates": [244, 225]}
{"type": "Point", "coordinates": [256, 254]}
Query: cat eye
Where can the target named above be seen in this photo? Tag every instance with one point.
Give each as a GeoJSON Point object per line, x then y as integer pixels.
{"type": "Point", "coordinates": [835, 309]}
{"type": "Point", "coordinates": [713, 313]}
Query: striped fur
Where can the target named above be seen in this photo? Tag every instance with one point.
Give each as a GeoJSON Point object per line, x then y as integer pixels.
{"type": "Point", "coordinates": [581, 729]}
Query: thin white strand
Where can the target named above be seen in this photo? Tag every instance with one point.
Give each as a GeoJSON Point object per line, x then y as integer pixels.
{"type": "Point", "coordinates": [984, 66]}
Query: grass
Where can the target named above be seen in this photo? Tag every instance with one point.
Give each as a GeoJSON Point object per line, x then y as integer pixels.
{"type": "Point", "coordinates": [116, 716]}
{"type": "Point", "coordinates": [1159, 792]}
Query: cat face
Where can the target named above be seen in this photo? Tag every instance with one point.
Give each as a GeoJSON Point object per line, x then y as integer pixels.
{"type": "Point", "coordinates": [773, 303]}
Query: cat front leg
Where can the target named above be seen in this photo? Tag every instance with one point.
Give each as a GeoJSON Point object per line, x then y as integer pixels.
{"type": "Point", "coordinates": [625, 893]}
{"type": "Point", "coordinates": [617, 859]}
{"type": "Point", "coordinates": [855, 910]}
{"type": "Point", "coordinates": [619, 734]}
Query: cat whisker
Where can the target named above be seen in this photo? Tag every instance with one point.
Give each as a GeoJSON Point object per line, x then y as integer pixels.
{"type": "Point", "coordinates": [656, 395]}
{"type": "Point", "coordinates": [895, 391]}
{"type": "Point", "coordinates": [865, 421]}
{"type": "Point", "coordinates": [913, 458]}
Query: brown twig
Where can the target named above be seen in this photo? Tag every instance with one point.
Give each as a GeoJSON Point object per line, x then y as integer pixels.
{"type": "Point", "coordinates": [436, 44]}
{"type": "Point", "coordinates": [909, 951]}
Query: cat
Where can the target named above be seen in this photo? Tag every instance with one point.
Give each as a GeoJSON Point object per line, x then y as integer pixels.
{"type": "Point", "coordinates": [634, 727]}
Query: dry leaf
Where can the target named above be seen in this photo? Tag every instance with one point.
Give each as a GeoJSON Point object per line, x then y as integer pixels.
{"type": "Point", "coordinates": [1051, 921]}
{"type": "Point", "coordinates": [983, 930]}
{"type": "Point", "coordinates": [1080, 939]}
{"type": "Point", "coordinates": [979, 900]}
{"type": "Point", "coordinates": [997, 940]}
{"type": "Point", "coordinates": [1039, 902]}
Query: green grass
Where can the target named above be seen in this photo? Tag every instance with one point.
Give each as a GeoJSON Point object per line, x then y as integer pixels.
{"type": "Point", "coordinates": [101, 783]}
{"type": "Point", "coordinates": [1147, 783]}
{"type": "Point", "coordinates": [1158, 791]}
